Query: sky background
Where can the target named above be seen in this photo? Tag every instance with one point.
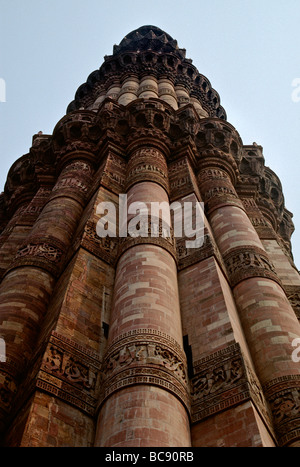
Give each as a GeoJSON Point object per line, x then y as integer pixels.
{"type": "Point", "coordinates": [248, 49]}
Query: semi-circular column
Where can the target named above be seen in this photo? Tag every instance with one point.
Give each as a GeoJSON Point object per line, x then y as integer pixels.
{"type": "Point", "coordinates": [182, 95]}
{"type": "Point", "coordinates": [27, 285]}
{"type": "Point", "coordinates": [148, 87]}
{"type": "Point", "coordinates": [129, 90]}
{"type": "Point", "coordinates": [20, 225]}
{"type": "Point", "coordinates": [166, 92]}
{"type": "Point", "coordinates": [268, 320]}
{"type": "Point", "coordinates": [145, 398]}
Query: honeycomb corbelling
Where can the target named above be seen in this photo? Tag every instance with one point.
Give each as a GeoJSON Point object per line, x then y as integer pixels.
{"type": "Point", "coordinates": [149, 51]}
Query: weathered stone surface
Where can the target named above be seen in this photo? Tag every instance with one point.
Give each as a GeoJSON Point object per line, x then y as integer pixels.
{"type": "Point", "coordinates": [121, 340]}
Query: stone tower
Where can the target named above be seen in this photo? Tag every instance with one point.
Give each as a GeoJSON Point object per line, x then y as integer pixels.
{"type": "Point", "coordinates": [141, 340]}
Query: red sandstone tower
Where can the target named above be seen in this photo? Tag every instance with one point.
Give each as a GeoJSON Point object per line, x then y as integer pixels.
{"type": "Point", "coordinates": [134, 341]}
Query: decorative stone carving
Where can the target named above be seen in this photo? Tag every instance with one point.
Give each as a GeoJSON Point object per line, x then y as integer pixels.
{"type": "Point", "coordinates": [21, 184]}
{"type": "Point", "coordinates": [100, 134]}
{"type": "Point", "coordinates": [213, 174]}
{"type": "Point", "coordinates": [44, 254]}
{"type": "Point", "coordinates": [146, 356]}
{"type": "Point", "coordinates": [269, 196]}
{"type": "Point", "coordinates": [129, 90]}
{"type": "Point", "coordinates": [42, 154]}
{"type": "Point", "coordinates": [145, 353]}
{"type": "Point", "coordinates": [161, 238]}
{"type": "Point", "coordinates": [160, 57]}
{"type": "Point", "coordinates": [105, 248]}
{"type": "Point", "coordinates": [248, 262]}
{"type": "Point", "coordinates": [219, 192]}
{"type": "Point", "coordinates": [74, 133]}
{"type": "Point", "coordinates": [42, 250]}
{"type": "Point", "coordinates": [28, 214]}
{"type": "Point", "coordinates": [74, 181]}
{"type": "Point", "coordinates": [78, 167]}
{"type": "Point", "coordinates": [147, 164]}
{"type": "Point", "coordinates": [259, 222]}
{"type": "Point", "coordinates": [182, 179]}
{"type": "Point", "coordinates": [222, 380]}
{"type": "Point", "coordinates": [217, 189]}
{"type": "Point", "coordinates": [284, 397]}
{"type": "Point", "coordinates": [31, 209]}
{"type": "Point", "coordinates": [71, 373]}
{"type": "Point", "coordinates": [219, 146]}
{"type": "Point", "coordinates": [70, 183]}
{"type": "Point", "coordinates": [113, 175]}
{"type": "Point", "coordinates": [8, 390]}
{"type": "Point", "coordinates": [188, 256]}
{"type": "Point", "coordinates": [293, 295]}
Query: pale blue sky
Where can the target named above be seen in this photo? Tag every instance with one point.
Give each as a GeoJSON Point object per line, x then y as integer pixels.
{"type": "Point", "coordinates": [248, 49]}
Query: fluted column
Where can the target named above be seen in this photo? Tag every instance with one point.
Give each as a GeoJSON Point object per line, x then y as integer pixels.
{"type": "Point", "coordinates": [167, 92]}
{"type": "Point", "coordinates": [145, 399]}
{"type": "Point", "coordinates": [28, 284]}
{"type": "Point", "coordinates": [129, 90]}
{"type": "Point", "coordinates": [269, 322]}
{"type": "Point", "coordinates": [21, 224]}
{"type": "Point", "coordinates": [148, 87]}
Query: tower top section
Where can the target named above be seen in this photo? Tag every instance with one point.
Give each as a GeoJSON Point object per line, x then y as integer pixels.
{"type": "Point", "coordinates": [149, 52]}
{"type": "Point", "coordinates": [148, 38]}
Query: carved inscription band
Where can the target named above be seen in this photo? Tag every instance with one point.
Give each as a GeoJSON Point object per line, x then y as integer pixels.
{"type": "Point", "coordinates": [71, 373]}
{"type": "Point", "coordinates": [147, 164]}
{"type": "Point", "coordinates": [45, 255]}
{"type": "Point", "coordinates": [248, 262]}
{"type": "Point", "coordinates": [284, 397]}
{"type": "Point", "coordinates": [224, 379]}
{"type": "Point", "coordinates": [146, 357]}
{"type": "Point", "coordinates": [217, 189]}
